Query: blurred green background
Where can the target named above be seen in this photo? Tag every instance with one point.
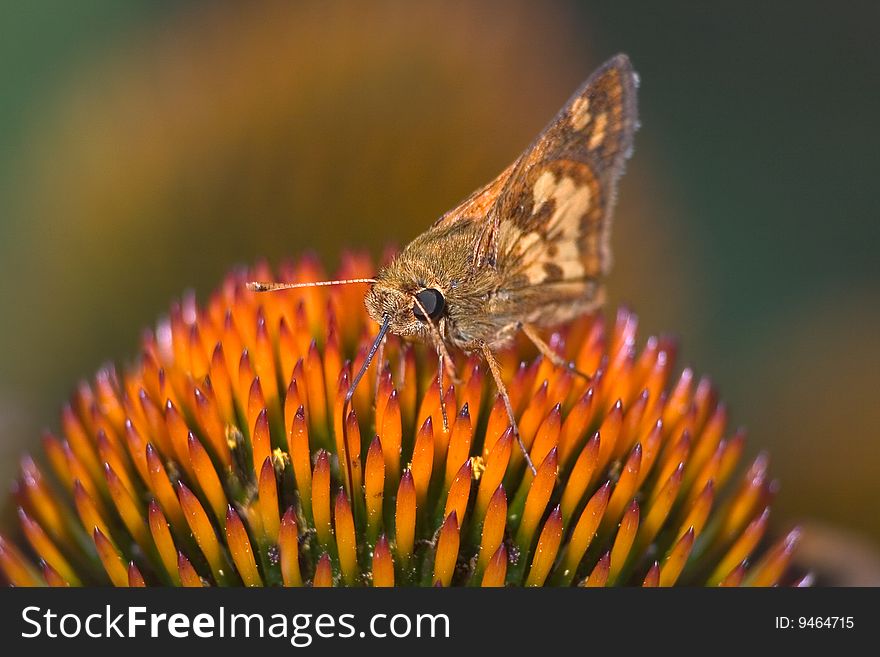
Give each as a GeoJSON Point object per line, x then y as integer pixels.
{"type": "Point", "coordinates": [147, 147]}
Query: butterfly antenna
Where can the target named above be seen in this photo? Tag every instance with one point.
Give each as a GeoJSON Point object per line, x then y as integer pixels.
{"type": "Point", "coordinates": [259, 286]}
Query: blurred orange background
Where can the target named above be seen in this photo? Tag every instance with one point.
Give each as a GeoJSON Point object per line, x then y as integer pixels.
{"type": "Point", "coordinates": [148, 147]}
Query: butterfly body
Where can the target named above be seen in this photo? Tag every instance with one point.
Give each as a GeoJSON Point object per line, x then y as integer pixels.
{"type": "Point", "coordinates": [482, 304]}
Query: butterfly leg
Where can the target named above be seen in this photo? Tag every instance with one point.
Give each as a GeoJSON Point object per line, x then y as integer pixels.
{"type": "Point", "coordinates": [449, 366]}
{"type": "Point", "coordinates": [440, 368]}
{"type": "Point", "coordinates": [380, 365]}
{"type": "Point", "coordinates": [502, 390]}
{"type": "Point", "coordinates": [548, 353]}
{"type": "Point", "coordinates": [444, 362]}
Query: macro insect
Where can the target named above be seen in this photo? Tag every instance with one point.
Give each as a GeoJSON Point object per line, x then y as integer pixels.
{"type": "Point", "coordinates": [527, 251]}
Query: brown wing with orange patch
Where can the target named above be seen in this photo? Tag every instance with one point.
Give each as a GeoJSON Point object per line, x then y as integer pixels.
{"type": "Point", "coordinates": [551, 222]}
{"type": "Point", "coordinates": [476, 207]}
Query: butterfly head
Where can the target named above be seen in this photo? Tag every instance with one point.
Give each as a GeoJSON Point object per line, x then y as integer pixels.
{"type": "Point", "coordinates": [431, 290]}
{"type": "Point", "coordinates": [412, 308]}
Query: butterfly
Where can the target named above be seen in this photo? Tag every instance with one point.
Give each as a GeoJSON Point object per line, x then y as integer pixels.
{"type": "Point", "coordinates": [529, 250]}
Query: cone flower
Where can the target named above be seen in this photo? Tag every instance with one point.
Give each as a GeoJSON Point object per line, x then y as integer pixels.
{"type": "Point", "coordinates": [222, 457]}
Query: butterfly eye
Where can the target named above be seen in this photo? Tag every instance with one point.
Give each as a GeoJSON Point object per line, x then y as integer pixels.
{"type": "Point", "coordinates": [433, 303]}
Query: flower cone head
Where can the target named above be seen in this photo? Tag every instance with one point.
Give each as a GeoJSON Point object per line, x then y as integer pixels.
{"type": "Point", "coordinates": [227, 455]}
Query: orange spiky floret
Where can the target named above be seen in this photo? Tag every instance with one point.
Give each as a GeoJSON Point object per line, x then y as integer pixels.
{"type": "Point", "coordinates": [222, 457]}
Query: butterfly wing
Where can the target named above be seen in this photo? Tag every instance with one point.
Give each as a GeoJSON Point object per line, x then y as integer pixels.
{"type": "Point", "coordinates": [476, 207]}
{"type": "Point", "coordinates": [551, 221]}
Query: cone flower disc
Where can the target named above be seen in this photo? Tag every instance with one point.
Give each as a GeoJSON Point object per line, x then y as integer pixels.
{"type": "Point", "coordinates": [222, 457]}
